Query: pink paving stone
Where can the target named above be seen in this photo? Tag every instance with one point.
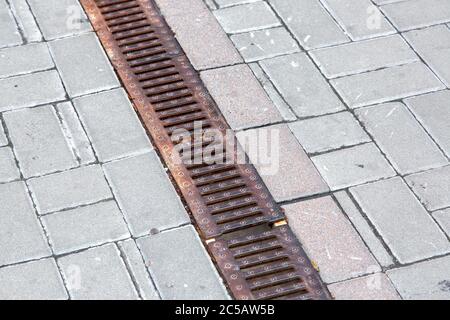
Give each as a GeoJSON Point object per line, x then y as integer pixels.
{"type": "Point", "coordinates": [202, 38]}
{"type": "Point", "coordinates": [373, 287]}
{"type": "Point", "coordinates": [290, 174]}
{"type": "Point", "coordinates": [240, 97]}
{"type": "Point", "coordinates": [330, 240]}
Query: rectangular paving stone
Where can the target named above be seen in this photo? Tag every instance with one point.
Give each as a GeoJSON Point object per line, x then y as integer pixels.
{"type": "Point", "coordinates": [85, 227]}
{"type": "Point", "coordinates": [443, 218]}
{"type": "Point", "coordinates": [26, 20]}
{"type": "Point", "coordinates": [39, 143]}
{"type": "Point", "coordinates": [205, 47]}
{"type": "Point", "coordinates": [227, 3]}
{"type": "Point", "coordinates": [433, 45]}
{"type": "Point", "coordinates": [112, 125]}
{"type": "Point", "coordinates": [145, 194]}
{"type": "Point", "coordinates": [9, 34]}
{"type": "Point", "coordinates": [430, 280]}
{"type": "Point", "coordinates": [69, 189]}
{"type": "Point", "coordinates": [263, 44]}
{"type": "Point", "coordinates": [21, 235]}
{"type": "Point", "coordinates": [386, 84]}
{"type": "Point", "coordinates": [8, 167]}
{"type": "Point", "coordinates": [59, 18]}
{"type": "Point", "coordinates": [330, 240]}
{"type": "Point", "coordinates": [135, 263]}
{"type": "Point", "coordinates": [353, 166]}
{"type": "Point", "coordinates": [362, 56]}
{"type": "Point", "coordinates": [24, 59]}
{"type": "Point", "coordinates": [433, 112]}
{"type": "Point", "coordinates": [240, 97]}
{"type": "Point", "coordinates": [181, 266]}
{"type": "Point", "coordinates": [247, 17]}
{"type": "Point", "coordinates": [416, 14]}
{"type": "Point", "coordinates": [302, 85]}
{"type": "Point", "coordinates": [361, 19]}
{"type": "Point", "coordinates": [3, 138]}
{"type": "Point", "coordinates": [36, 280]}
{"type": "Point", "coordinates": [27, 90]}
{"type": "Point", "coordinates": [98, 274]}
{"type": "Point", "coordinates": [372, 287]}
{"type": "Point", "coordinates": [401, 138]}
{"type": "Point", "coordinates": [328, 132]}
{"type": "Point", "coordinates": [432, 187]}
{"type": "Point", "coordinates": [310, 23]}
{"type": "Point", "coordinates": [284, 110]}
{"type": "Point", "coordinates": [364, 229]}
{"type": "Point", "coordinates": [79, 77]}
{"type": "Point", "coordinates": [75, 134]}
{"type": "Point", "coordinates": [281, 174]}
{"type": "Point", "coordinates": [407, 229]}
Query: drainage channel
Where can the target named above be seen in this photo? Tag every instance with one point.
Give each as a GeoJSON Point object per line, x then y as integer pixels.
{"type": "Point", "coordinates": [245, 230]}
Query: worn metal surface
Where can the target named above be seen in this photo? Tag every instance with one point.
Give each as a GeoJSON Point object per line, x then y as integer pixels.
{"type": "Point", "coordinates": [226, 200]}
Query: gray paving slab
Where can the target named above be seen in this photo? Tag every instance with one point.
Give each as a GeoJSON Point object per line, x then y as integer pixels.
{"type": "Point", "coordinates": [433, 112]}
{"type": "Point", "coordinates": [181, 266]}
{"type": "Point", "coordinates": [414, 14]}
{"type": "Point", "coordinates": [85, 227]}
{"type": "Point", "coordinates": [365, 230]}
{"type": "Point", "coordinates": [353, 166]}
{"type": "Point", "coordinates": [59, 18]}
{"type": "Point", "coordinates": [145, 194]}
{"type": "Point", "coordinates": [361, 19]}
{"type": "Point", "coordinates": [433, 45]}
{"type": "Point", "coordinates": [386, 84]}
{"type": "Point", "coordinates": [69, 189]}
{"type": "Point", "coordinates": [112, 125]}
{"type": "Point", "coordinates": [430, 280]}
{"type": "Point", "coordinates": [443, 218]}
{"type": "Point", "coordinates": [21, 235]}
{"type": "Point", "coordinates": [363, 56]}
{"type": "Point", "coordinates": [240, 97]}
{"type": "Point", "coordinates": [227, 3]}
{"type": "Point", "coordinates": [135, 263]}
{"type": "Point", "coordinates": [9, 34]}
{"type": "Point", "coordinates": [406, 227]}
{"type": "Point", "coordinates": [38, 140]}
{"type": "Point", "coordinates": [27, 91]}
{"type": "Point", "coordinates": [36, 280]}
{"type": "Point", "coordinates": [83, 65]}
{"type": "Point", "coordinates": [8, 166]}
{"type": "Point", "coordinates": [310, 23]}
{"type": "Point", "coordinates": [24, 59]}
{"type": "Point", "coordinates": [3, 139]}
{"type": "Point", "coordinates": [281, 175]}
{"type": "Point", "coordinates": [263, 44]}
{"type": "Point", "coordinates": [247, 17]}
{"type": "Point", "coordinates": [26, 20]}
{"type": "Point", "coordinates": [96, 274]}
{"type": "Point", "coordinates": [432, 187]}
{"type": "Point", "coordinates": [302, 85]}
{"type": "Point", "coordinates": [404, 142]}
{"type": "Point", "coordinates": [329, 132]}
{"type": "Point", "coordinates": [341, 254]}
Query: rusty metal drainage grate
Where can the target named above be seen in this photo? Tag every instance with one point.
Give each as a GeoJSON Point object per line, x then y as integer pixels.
{"type": "Point", "coordinates": [233, 209]}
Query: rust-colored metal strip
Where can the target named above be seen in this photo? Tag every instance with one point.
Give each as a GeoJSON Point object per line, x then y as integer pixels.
{"type": "Point", "coordinates": [231, 206]}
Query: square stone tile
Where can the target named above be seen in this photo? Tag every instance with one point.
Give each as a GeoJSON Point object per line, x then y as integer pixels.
{"type": "Point", "coordinates": [98, 274]}
{"type": "Point", "coordinates": [329, 132]}
{"type": "Point", "coordinates": [85, 227]}
{"type": "Point", "coordinates": [21, 235]}
{"type": "Point", "coordinates": [69, 189]}
{"type": "Point", "coordinates": [330, 240]}
{"type": "Point", "coordinates": [180, 266]}
{"type": "Point", "coordinates": [36, 280]}
{"type": "Point", "coordinates": [432, 187]}
{"type": "Point", "coordinates": [8, 167]}
{"type": "Point", "coordinates": [353, 166]}
{"type": "Point", "coordinates": [443, 218]}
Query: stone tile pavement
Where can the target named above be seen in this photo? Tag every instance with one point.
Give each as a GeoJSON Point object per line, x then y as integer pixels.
{"type": "Point", "coordinates": [87, 210]}
{"type": "Point", "coordinates": [362, 91]}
